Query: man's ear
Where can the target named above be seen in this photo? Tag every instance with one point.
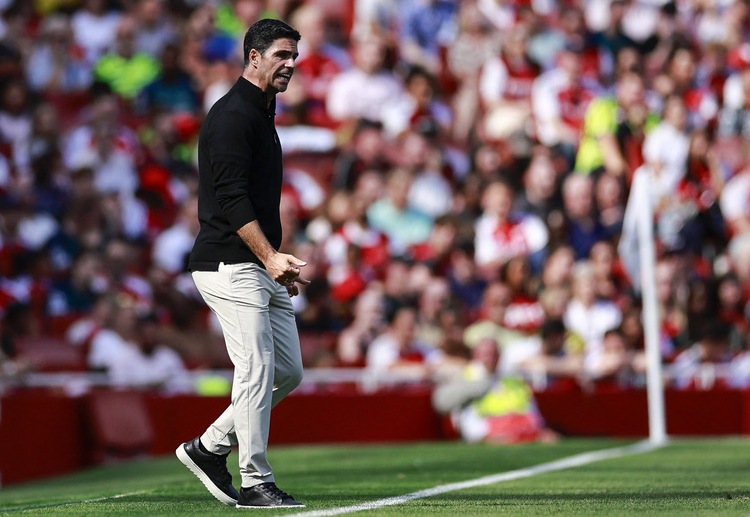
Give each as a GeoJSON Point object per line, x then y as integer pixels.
{"type": "Point", "coordinates": [253, 57]}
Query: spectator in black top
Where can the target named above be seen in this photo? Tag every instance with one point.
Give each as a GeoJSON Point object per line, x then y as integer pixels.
{"type": "Point", "coordinates": [241, 274]}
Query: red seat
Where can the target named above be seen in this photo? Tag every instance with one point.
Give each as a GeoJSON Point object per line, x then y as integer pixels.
{"type": "Point", "coordinates": [120, 424]}
{"type": "Point", "coordinates": [317, 347]}
{"type": "Point", "coordinates": [50, 354]}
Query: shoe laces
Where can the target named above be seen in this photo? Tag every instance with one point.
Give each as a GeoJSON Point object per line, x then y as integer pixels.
{"type": "Point", "coordinates": [274, 491]}
{"type": "Point", "coordinates": [221, 462]}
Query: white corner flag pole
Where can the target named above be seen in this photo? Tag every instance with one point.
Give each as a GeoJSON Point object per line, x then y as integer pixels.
{"type": "Point", "coordinates": [651, 316]}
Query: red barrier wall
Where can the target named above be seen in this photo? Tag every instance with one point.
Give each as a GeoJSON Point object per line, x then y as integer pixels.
{"type": "Point", "coordinates": [45, 433]}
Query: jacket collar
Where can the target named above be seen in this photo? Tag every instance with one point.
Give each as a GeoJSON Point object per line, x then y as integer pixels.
{"type": "Point", "coordinates": [254, 95]}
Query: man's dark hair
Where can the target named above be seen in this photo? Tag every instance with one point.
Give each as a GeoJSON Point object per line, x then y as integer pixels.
{"type": "Point", "coordinates": [552, 327]}
{"type": "Point", "coordinates": [261, 35]}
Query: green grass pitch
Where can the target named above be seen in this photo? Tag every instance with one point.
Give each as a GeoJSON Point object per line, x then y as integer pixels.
{"type": "Point", "coordinates": [698, 477]}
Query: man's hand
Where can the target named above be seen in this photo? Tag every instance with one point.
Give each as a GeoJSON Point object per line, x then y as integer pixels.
{"type": "Point", "coordinates": [285, 269]}
{"type": "Point", "coordinates": [282, 267]}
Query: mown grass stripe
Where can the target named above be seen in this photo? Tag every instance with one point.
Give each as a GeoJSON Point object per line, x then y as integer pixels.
{"type": "Point", "coordinates": [552, 466]}
{"type": "Point", "coordinates": [70, 503]}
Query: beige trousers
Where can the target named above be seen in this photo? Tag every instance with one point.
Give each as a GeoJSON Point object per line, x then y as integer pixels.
{"type": "Point", "coordinates": [257, 320]}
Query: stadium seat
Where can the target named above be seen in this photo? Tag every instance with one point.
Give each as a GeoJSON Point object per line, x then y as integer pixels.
{"type": "Point", "coordinates": [50, 354]}
{"type": "Point", "coordinates": [119, 424]}
{"type": "Point", "coordinates": [317, 347]}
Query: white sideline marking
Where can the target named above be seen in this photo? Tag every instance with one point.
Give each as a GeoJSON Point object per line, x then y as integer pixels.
{"type": "Point", "coordinates": [562, 464]}
{"type": "Point", "coordinates": [69, 503]}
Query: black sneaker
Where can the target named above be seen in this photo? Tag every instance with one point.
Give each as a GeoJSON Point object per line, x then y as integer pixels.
{"type": "Point", "coordinates": [211, 469]}
{"type": "Point", "coordinates": [266, 495]}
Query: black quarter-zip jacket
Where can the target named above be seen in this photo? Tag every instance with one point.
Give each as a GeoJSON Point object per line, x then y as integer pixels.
{"type": "Point", "coordinates": [240, 177]}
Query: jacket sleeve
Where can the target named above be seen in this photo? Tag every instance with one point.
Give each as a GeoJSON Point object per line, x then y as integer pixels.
{"type": "Point", "coordinates": [457, 393]}
{"type": "Point", "coordinates": [232, 167]}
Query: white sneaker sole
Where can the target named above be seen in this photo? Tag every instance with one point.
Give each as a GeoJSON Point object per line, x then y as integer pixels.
{"type": "Point", "coordinates": [215, 491]}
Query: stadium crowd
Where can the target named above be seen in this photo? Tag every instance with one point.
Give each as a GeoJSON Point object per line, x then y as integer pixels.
{"type": "Point", "coordinates": [456, 171]}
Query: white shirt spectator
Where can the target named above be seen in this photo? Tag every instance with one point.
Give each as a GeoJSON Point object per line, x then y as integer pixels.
{"type": "Point", "coordinates": [35, 229]}
{"type": "Point", "coordinates": [523, 236]}
{"type": "Point", "coordinates": [667, 146]}
{"type": "Point", "coordinates": [355, 94]}
{"type": "Point", "coordinates": [171, 248]}
{"type": "Point", "coordinates": [164, 367]}
{"type": "Point", "coordinates": [493, 81]}
{"type": "Point", "coordinates": [739, 371]}
{"type": "Point", "coordinates": [592, 322]}
{"type": "Point", "coordinates": [94, 33]}
{"type": "Point", "coordinates": [431, 193]}
{"type": "Point", "coordinates": [384, 352]}
{"type": "Point", "coordinates": [502, 15]}
{"type": "Point", "coordinates": [735, 197]}
{"type": "Point", "coordinates": [397, 113]}
{"type": "Point", "coordinates": [106, 346]}
{"type": "Point", "coordinates": [115, 172]}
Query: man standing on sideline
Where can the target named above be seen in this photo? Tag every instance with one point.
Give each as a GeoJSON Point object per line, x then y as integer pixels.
{"type": "Point", "coordinates": [240, 273]}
